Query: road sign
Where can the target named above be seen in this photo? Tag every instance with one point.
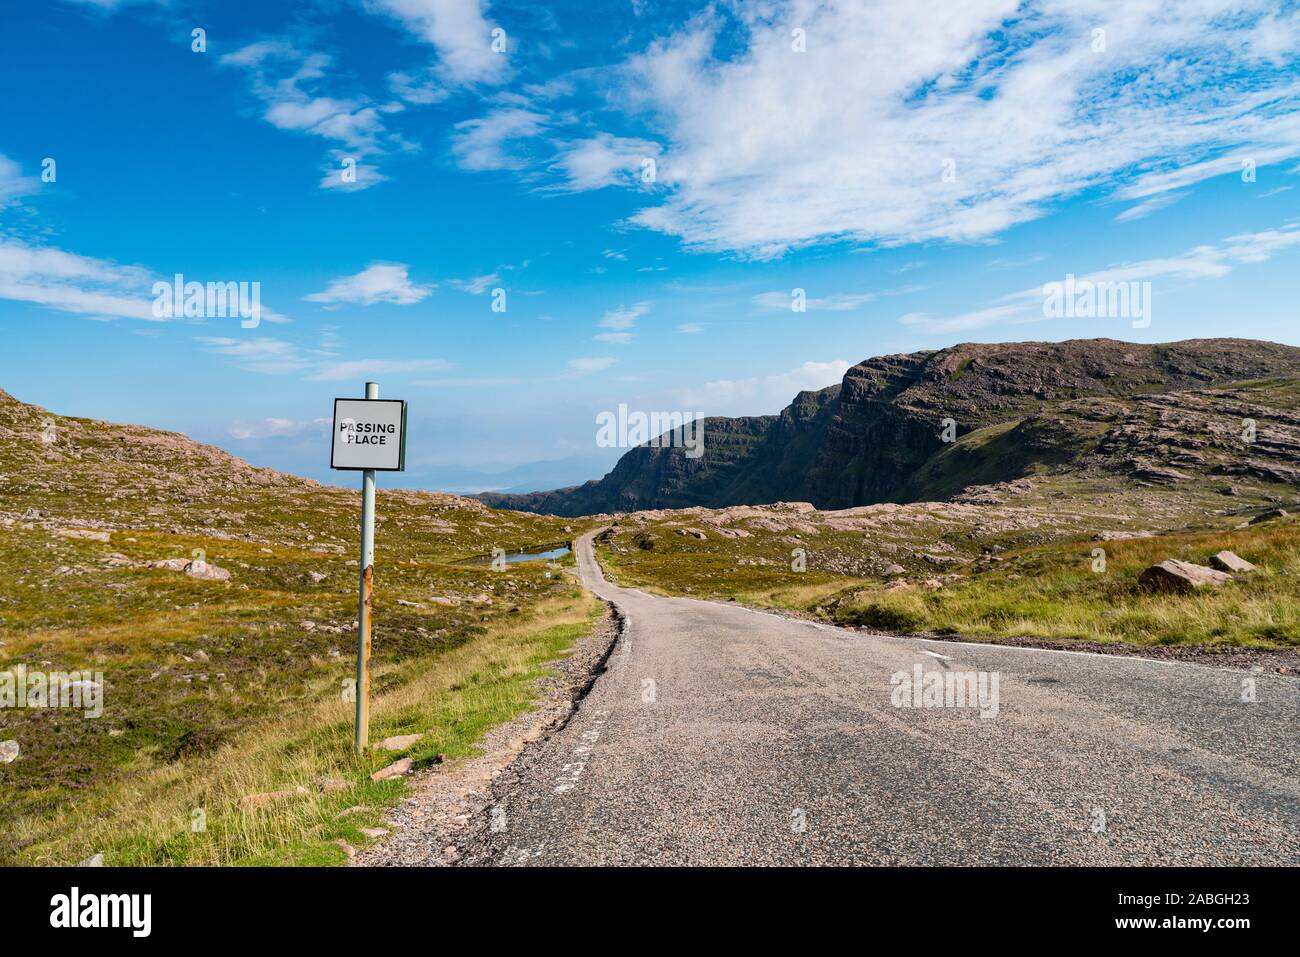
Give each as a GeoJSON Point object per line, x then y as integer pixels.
{"type": "Point", "coordinates": [369, 434]}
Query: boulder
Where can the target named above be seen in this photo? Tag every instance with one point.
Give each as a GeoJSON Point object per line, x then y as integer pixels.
{"type": "Point", "coordinates": [207, 572]}
{"type": "Point", "coordinates": [395, 770]}
{"type": "Point", "coordinates": [171, 564]}
{"type": "Point", "coordinates": [1226, 561]}
{"type": "Point", "coordinates": [1180, 577]}
{"type": "Point", "coordinates": [1268, 516]}
{"type": "Point", "coordinates": [399, 743]}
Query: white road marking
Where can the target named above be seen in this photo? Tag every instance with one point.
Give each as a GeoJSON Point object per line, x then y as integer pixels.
{"type": "Point", "coordinates": [571, 773]}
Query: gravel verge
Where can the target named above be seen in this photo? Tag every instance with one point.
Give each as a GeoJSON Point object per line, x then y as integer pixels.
{"type": "Point", "coordinates": [452, 803]}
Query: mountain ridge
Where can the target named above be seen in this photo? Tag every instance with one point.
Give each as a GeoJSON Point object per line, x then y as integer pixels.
{"type": "Point", "coordinates": [863, 440]}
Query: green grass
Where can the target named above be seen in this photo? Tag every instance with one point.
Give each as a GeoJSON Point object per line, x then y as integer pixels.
{"type": "Point", "coordinates": [1046, 590]}
{"type": "Point", "coordinates": [451, 698]}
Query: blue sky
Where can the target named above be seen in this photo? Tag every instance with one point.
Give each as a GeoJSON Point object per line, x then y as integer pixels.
{"type": "Point", "coordinates": [647, 183]}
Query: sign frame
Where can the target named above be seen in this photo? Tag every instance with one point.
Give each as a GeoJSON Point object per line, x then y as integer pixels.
{"type": "Point", "coordinates": [401, 455]}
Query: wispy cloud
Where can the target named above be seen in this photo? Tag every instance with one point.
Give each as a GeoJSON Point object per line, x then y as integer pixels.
{"type": "Point", "coordinates": [954, 134]}
{"type": "Point", "coordinates": [378, 282]}
{"type": "Point", "coordinates": [588, 365]}
{"type": "Point", "coordinates": [760, 394]}
{"type": "Point", "coordinates": [259, 354]}
{"type": "Point", "coordinates": [837, 303]}
{"type": "Point", "coordinates": [276, 428]}
{"type": "Point", "coordinates": [500, 140]}
{"type": "Point", "coordinates": [65, 281]}
{"type": "Point", "coordinates": [460, 33]}
{"type": "Point", "coordinates": [13, 183]}
{"type": "Point", "coordinates": [288, 81]}
{"type": "Point", "coordinates": [1199, 262]}
{"type": "Point", "coordinates": [624, 317]}
{"type": "Point", "coordinates": [359, 368]}
{"type": "Point", "coordinates": [1153, 205]}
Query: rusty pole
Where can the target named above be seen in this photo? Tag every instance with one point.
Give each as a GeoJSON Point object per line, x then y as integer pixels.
{"type": "Point", "coordinates": [361, 739]}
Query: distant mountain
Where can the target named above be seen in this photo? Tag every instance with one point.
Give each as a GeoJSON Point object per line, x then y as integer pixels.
{"type": "Point", "coordinates": [1144, 411]}
{"type": "Point", "coordinates": [528, 477]}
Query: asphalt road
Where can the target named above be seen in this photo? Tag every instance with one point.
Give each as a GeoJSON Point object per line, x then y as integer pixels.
{"type": "Point", "coordinates": [720, 735]}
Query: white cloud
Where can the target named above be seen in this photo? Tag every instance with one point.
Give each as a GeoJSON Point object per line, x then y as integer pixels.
{"type": "Point", "coordinates": [614, 338]}
{"type": "Point", "coordinates": [1153, 205]}
{"type": "Point", "coordinates": [594, 364]}
{"type": "Point", "coordinates": [479, 284]}
{"type": "Point", "coordinates": [287, 81]}
{"type": "Point", "coordinates": [624, 317]}
{"type": "Point", "coordinates": [766, 149]}
{"type": "Point", "coordinates": [1199, 262]}
{"type": "Point", "coordinates": [275, 428]}
{"type": "Point", "coordinates": [69, 282]}
{"type": "Point", "coordinates": [781, 301]}
{"type": "Point", "coordinates": [12, 181]}
{"type": "Point", "coordinates": [760, 395]}
{"type": "Point", "coordinates": [690, 328]}
{"type": "Point", "coordinates": [459, 32]}
{"type": "Point", "coordinates": [602, 160]}
{"type": "Point", "coordinates": [261, 354]}
{"type": "Point", "coordinates": [360, 368]}
{"type": "Point", "coordinates": [378, 282]}
{"type": "Point", "coordinates": [497, 140]}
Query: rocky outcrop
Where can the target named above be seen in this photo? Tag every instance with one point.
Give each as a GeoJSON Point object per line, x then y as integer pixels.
{"type": "Point", "coordinates": [1151, 413]}
{"type": "Point", "coordinates": [1180, 577]}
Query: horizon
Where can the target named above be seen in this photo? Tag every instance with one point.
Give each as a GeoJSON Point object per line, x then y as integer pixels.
{"type": "Point", "coordinates": [341, 481]}
{"type": "Point", "coordinates": [676, 208]}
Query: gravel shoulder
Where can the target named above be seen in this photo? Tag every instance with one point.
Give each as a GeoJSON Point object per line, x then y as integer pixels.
{"type": "Point", "coordinates": [450, 803]}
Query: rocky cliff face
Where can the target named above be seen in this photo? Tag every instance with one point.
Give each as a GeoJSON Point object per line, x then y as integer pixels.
{"type": "Point", "coordinates": [879, 435]}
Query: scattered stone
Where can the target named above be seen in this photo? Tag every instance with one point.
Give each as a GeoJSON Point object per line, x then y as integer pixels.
{"type": "Point", "coordinates": [317, 576]}
{"type": "Point", "coordinates": [1180, 577]}
{"type": "Point", "coordinates": [944, 559]}
{"type": "Point", "coordinates": [1120, 536]}
{"type": "Point", "coordinates": [693, 533]}
{"type": "Point", "coordinates": [347, 848]}
{"type": "Point", "coordinates": [400, 742]}
{"type": "Point", "coordinates": [206, 571]}
{"type": "Point", "coordinates": [330, 785]}
{"type": "Point", "coordinates": [84, 533]}
{"type": "Point", "coordinates": [95, 860]}
{"type": "Point", "coordinates": [9, 751]}
{"type": "Point", "coordinates": [395, 770]}
{"type": "Point", "coordinates": [374, 833]}
{"type": "Point", "coordinates": [1268, 516]}
{"type": "Point", "coordinates": [409, 604]}
{"type": "Point", "coordinates": [1227, 561]}
{"type": "Point", "coordinates": [892, 571]}
{"type": "Point", "coordinates": [171, 564]}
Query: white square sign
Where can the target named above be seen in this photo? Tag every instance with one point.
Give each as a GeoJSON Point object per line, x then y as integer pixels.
{"type": "Point", "coordinates": [369, 434]}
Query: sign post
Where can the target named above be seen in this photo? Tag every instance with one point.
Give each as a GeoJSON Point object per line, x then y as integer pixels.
{"type": "Point", "coordinates": [369, 437]}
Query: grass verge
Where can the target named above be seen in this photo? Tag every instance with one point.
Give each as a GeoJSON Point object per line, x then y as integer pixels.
{"type": "Point", "coordinates": [188, 812]}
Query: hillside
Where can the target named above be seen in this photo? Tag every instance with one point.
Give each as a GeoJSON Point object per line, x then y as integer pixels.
{"type": "Point", "coordinates": [204, 676]}
{"type": "Point", "coordinates": [1133, 411]}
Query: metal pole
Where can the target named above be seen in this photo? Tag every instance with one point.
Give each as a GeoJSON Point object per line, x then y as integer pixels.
{"type": "Point", "coordinates": [362, 737]}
